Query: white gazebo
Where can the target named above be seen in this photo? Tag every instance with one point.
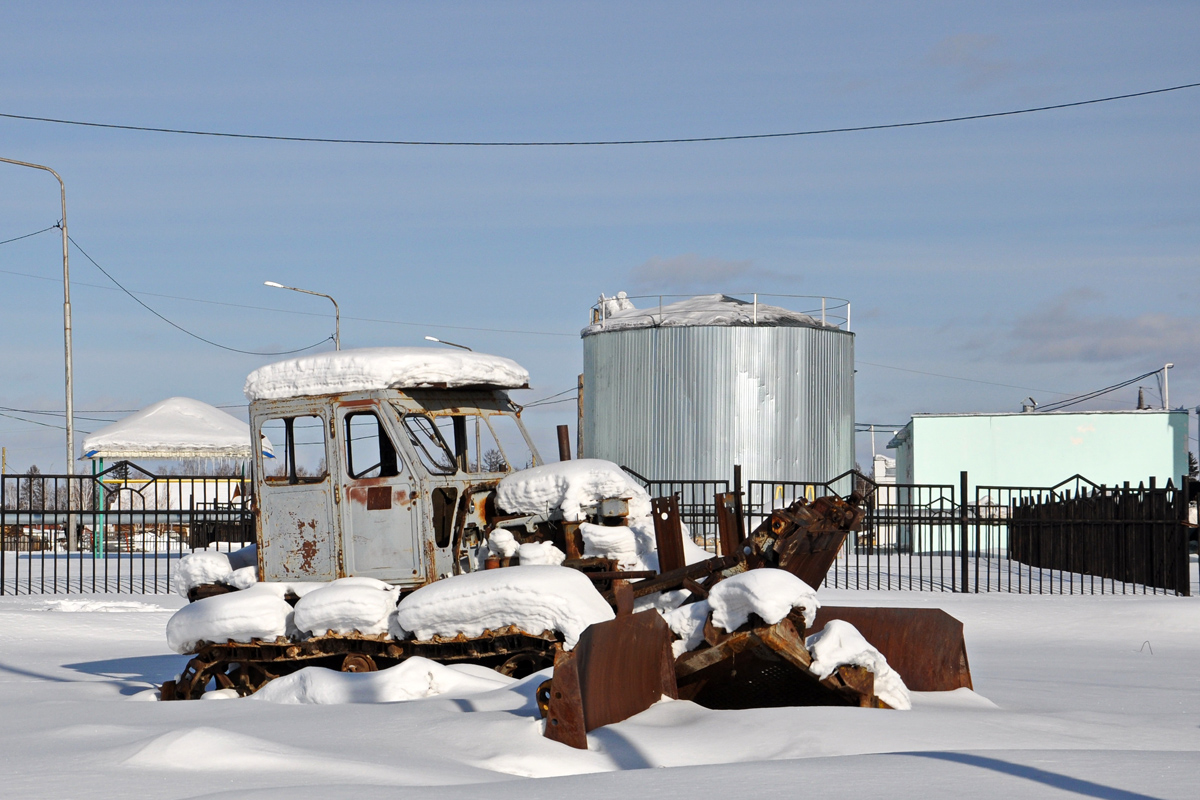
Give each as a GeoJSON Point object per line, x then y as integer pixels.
{"type": "Point", "coordinates": [175, 428]}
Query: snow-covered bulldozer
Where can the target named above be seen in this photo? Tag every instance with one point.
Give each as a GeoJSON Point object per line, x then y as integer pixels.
{"type": "Point", "coordinates": [395, 485]}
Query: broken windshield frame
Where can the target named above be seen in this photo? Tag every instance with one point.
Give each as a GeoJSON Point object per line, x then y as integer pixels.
{"type": "Point", "coordinates": [423, 434]}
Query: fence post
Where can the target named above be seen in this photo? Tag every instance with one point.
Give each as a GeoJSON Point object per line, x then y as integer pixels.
{"type": "Point", "coordinates": [962, 531]}
{"type": "Point", "coordinates": [738, 508]}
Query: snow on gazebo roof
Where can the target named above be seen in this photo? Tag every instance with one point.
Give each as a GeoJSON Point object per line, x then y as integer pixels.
{"type": "Point", "coordinates": [177, 427]}
{"type": "Point", "coordinates": [373, 368]}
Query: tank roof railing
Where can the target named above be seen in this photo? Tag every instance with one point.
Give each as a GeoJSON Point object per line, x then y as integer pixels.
{"type": "Point", "coordinates": [828, 310]}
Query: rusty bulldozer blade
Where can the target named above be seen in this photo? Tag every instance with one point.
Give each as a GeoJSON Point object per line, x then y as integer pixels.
{"type": "Point", "coordinates": [925, 645]}
{"type": "Point", "coordinates": [766, 666]}
{"type": "Point", "coordinates": [619, 668]}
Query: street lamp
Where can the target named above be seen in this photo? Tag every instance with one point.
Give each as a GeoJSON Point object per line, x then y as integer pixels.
{"type": "Point", "coordinates": [66, 316]}
{"type": "Point", "coordinates": [337, 314]}
{"type": "Point", "coordinates": [452, 344]}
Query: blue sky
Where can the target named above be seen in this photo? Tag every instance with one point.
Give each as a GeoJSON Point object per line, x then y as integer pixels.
{"type": "Point", "coordinates": [1054, 252]}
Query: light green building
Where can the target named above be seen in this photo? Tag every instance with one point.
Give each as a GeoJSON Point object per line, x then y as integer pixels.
{"type": "Point", "coordinates": [1043, 449]}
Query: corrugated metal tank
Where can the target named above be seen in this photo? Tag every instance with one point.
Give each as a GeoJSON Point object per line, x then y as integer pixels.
{"type": "Point", "coordinates": [690, 402]}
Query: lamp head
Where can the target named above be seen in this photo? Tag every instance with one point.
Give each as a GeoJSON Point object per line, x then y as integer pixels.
{"type": "Point", "coordinates": [274, 285]}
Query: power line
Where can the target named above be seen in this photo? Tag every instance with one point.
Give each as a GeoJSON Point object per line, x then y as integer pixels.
{"type": "Point", "coordinates": [183, 329]}
{"type": "Point", "coordinates": [958, 378]}
{"type": "Point", "coordinates": [1070, 401]}
{"type": "Point", "coordinates": [52, 414]}
{"type": "Point", "coordinates": [26, 236]}
{"type": "Point", "coordinates": [292, 311]}
{"type": "Point", "coordinates": [602, 142]}
{"type": "Point", "coordinates": [35, 422]}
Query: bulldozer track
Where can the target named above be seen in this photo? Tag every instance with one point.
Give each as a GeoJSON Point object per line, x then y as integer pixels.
{"type": "Point", "coordinates": [247, 667]}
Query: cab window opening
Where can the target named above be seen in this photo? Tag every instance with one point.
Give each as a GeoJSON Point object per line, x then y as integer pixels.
{"type": "Point", "coordinates": [369, 450]}
{"type": "Point", "coordinates": [301, 459]}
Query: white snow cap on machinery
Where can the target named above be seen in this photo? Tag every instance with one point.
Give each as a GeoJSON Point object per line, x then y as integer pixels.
{"type": "Point", "coordinates": [373, 368]}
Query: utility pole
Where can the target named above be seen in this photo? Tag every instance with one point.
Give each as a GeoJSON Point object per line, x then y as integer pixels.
{"type": "Point", "coordinates": [1166, 388]}
{"type": "Point", "coordinates": [66, 319]}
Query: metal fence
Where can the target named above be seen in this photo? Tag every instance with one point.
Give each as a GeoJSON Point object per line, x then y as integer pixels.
{"type": "Point", "coordinates": [1077, 537]}
{"type": "Point", "coordinates": [121, 530]}
{"type": "Point", "coordinates": [695, 503]}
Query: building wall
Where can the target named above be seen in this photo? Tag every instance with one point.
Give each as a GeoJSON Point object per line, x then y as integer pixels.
{"type": "Point", "coordinates": [1044, 449]}
{"type": "Point", "coordinates": [690, 402]}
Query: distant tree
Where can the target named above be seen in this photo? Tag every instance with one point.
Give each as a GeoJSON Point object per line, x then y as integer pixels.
{"type": "Point", "coordinates": [1193, 467]}
{"type": "Point", "coordinates": [493, 461]}
{"type": "Point", "coordinates": [33, 489]}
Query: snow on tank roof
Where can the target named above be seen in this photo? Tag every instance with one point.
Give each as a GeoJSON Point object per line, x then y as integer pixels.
{"type": "Point", "coordinates": [708, 309]}
{"type": "Point", "coordinates": [372, 368]}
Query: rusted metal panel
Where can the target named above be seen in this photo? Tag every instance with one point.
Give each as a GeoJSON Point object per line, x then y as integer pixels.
{"type": "Point", "coordinates": [379, 498]}
{"type": "Point", "coordinates": [728, 530]}
{"type": "Point", "coordinates": [619, 668]}
{"type": "Point", "coordinates": [924, 645]}
{"type": "Point", "coordinates": [668, 533]}
{"type": "Point", "coordinates": [298, 539]}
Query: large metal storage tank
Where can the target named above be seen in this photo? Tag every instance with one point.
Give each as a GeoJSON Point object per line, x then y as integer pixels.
{"type": "Point", "coordinates": [688, 389]}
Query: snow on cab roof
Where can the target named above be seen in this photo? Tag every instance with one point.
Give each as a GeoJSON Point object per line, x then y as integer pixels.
{"type": "Point", "coordinates": [372, 368]}
{"type": "Point", "coordinates": [708, 309]}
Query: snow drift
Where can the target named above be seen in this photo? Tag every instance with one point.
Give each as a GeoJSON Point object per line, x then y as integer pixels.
{"type": "Point", "coordinates": [410, 680]}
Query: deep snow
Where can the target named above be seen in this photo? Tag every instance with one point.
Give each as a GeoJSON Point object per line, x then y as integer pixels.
{"type": "Point", "coordinates": [1093, 697]}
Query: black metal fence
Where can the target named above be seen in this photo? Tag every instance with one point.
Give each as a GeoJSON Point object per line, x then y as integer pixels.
{"type": "Point", "coordinates": [695, 502]}
{"type": "Point", "coordinates": [1073, 538]}
{"type": "Point", "coordinates": [121, 530]}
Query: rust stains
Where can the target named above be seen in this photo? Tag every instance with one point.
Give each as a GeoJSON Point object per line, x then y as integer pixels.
{"type": "Point", "coordinates": [308, 551]}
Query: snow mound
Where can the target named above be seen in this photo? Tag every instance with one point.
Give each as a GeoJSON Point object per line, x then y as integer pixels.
{"type": "Point", "coordinates": [839, 644]}
{"type": "Point", "coordinates": [413, 679]}
{"type": "Point", "coordinates": [687, 622]}
{"type": "Point", "coordinates": [347, 605]}
{"type": "Point", "coordinates": [502, 543]}
{"type": "Point", "coordinates": [204, 566]}
{"type": "Point", "coordinates": [566, 487]}
{"type": "Point", "coordinates": [238, 568]}
{"type": "Point", "coordinates": [769, 593]}
{"type": "Point", "coordinates": [238, 616]}
{"type": "Point", "coordinates": [534, 553]}
{"type": "Point", "coordinates": [533, 598]}
{"type": "Point", "coordinates": [373, 368]}
{"type": "Point", "coordinates": [618, 542]}
{"type": "Point", "coordinates": [708, 309]}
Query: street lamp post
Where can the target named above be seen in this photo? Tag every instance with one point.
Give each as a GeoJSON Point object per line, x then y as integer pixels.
{"type": "Point", "coordinates": [451, 344]}
{"type": "Point", "coordinates": [337, 314]}
{"type": "Point", "coordinates": [66, 319]}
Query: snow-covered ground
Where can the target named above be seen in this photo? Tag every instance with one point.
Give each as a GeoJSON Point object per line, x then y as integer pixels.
{"type": "Point", "coordinates": [1085, 697]}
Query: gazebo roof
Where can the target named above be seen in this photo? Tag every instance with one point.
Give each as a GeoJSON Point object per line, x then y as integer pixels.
{"type": "Point", "coordinates": [177, 427]}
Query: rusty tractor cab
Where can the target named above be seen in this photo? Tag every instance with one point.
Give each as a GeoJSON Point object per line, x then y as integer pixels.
{"type": "Point", "coordinates": [390, 484]}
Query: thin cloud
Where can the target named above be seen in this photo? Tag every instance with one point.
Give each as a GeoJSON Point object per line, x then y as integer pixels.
{"type": "Point", "coordinates": [1068, 330]}
{"type": "Point", "coordinates": [970, 55]}
{"type": "Point", "coordinates": [691, 272]}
